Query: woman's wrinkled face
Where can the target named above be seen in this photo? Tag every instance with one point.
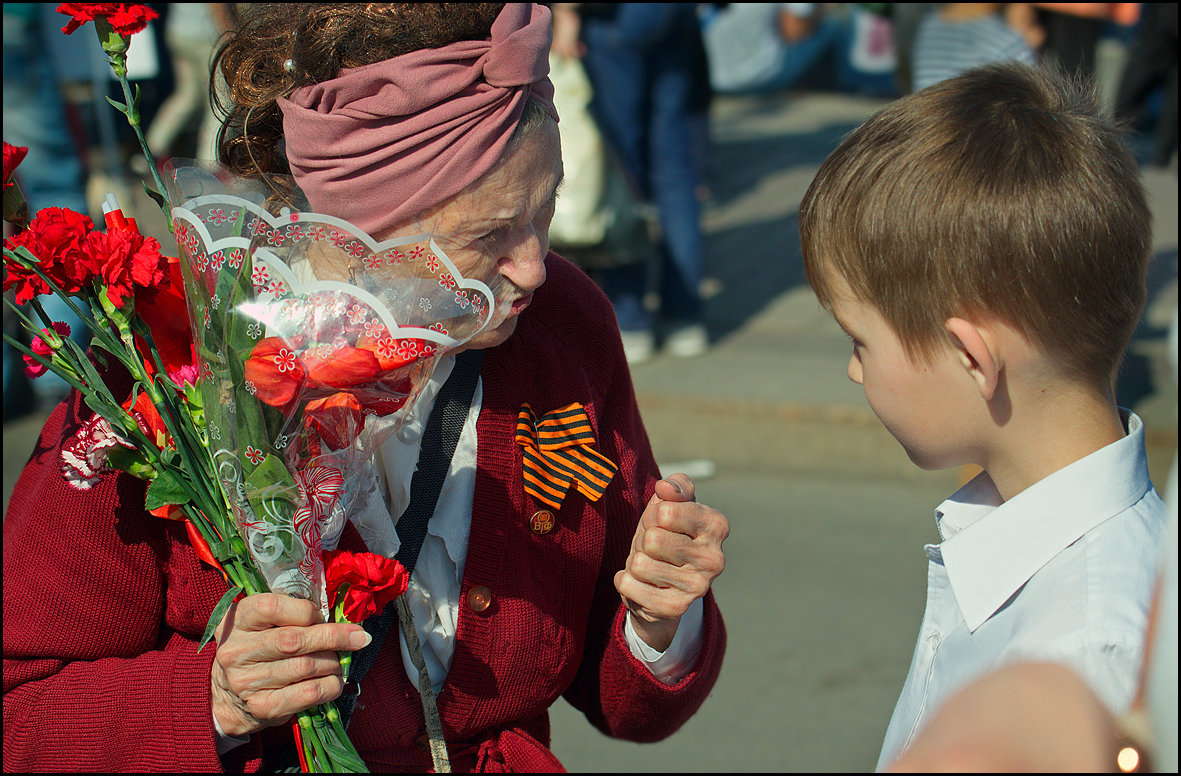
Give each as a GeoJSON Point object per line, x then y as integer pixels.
{"type": "Point", "coordinates": [497, 230]}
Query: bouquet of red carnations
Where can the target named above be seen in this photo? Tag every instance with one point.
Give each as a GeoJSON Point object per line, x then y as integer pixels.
{"type": "Point", "coordinates": [267, 363]}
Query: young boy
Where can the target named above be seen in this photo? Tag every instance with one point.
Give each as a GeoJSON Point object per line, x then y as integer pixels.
{"type": "Point", "coordinates": [984, 243]}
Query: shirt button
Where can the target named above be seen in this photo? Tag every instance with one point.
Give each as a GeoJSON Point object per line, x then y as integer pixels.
{"type": "Point", "coordinates": [542, 521]}
{"type": "Point", "coordinates": [479, 598]}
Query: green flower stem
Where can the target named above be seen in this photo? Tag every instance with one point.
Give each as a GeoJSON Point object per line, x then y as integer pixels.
{"type": "Point", "coordinates": [346, 658]}
{"type": "Point", "coordinates": [337, 724]}
{"type": "Point", "coordinates": [133, 119]}
{"type": "Point", "coordinates": [319, 761]}
{"type": "Point", "coordinates": [115, 46]}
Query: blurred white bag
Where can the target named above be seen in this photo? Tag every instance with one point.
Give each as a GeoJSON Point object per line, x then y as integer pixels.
{"type": "Point", "coordinates": [578, 219]}
{"type": "Point", "coordinates": [597, 220]}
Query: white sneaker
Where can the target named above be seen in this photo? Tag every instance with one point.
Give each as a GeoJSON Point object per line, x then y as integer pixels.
{"type": "Point", "coordinates": [687, 341]}
{"type": "Point", "coordinates": [638, 346]}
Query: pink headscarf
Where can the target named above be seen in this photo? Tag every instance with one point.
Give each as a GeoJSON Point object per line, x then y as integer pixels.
{"type": "Point", "coordinates": [381, 143]}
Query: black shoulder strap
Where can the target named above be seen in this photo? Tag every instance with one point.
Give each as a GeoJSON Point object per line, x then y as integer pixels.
{"type": "Point", "coordinates": [434, 459]}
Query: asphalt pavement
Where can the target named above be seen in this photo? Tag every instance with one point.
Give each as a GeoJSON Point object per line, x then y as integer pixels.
{"type": "Point", "coordinates": [825, 578]}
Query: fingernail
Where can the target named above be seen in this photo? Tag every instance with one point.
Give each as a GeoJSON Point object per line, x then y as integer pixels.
{"type": "Point", "coordinates": [360, 639]}
{"type": "Point", "coordinates": [676, 487]}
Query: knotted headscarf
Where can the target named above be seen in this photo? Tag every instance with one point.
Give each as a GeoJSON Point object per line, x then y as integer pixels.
{"type": "Point", "coordinates": [379, 144]}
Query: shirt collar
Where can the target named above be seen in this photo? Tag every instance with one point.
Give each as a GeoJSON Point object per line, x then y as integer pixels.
{"type": "Point", "coordinates": [991, 549]}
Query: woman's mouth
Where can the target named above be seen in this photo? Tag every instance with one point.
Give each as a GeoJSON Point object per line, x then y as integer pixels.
{"type": "Point", "coordinates": [520, 304]}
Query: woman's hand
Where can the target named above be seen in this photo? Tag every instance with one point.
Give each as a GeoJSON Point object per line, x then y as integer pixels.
{"type": "Point", "coordinates": [274, 659]}
{"type": "Point", "coordinates": [676, 554]}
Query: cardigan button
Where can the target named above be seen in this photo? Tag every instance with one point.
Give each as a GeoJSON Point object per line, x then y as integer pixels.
{"type": "Point", "coordinates": [542, 521]}
{"type": "Point", "coordinates": [479, 598]}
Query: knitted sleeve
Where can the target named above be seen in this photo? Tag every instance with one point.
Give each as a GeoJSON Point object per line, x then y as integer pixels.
{"type": "Point", "coordinates": [103, 608]}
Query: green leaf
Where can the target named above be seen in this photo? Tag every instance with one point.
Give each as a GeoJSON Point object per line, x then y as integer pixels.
{"type": "Point", "coordinates": [118, 106]}
{"type": "Point", "coordinates": [156, 196]}
{"type": "Point", "coordinates": [219, 612]}
{"type": "Point", "coordinates": [24, 253]}
{"type": "Point", "coordinates": [165, 489]}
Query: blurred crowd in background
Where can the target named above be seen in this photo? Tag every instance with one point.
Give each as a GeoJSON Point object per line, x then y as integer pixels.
{"type": "Point", "coordinates": [635, 83]}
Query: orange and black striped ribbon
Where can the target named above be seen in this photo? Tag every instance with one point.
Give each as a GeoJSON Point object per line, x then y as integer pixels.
{"type": "Point", "coordinates": [558, 452]}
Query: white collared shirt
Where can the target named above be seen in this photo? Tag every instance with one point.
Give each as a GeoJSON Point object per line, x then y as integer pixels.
{"type": "Point", "coordinates": [1062, 571]}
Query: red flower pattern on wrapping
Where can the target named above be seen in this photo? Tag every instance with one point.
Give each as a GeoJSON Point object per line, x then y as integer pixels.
{"type": "Point", "coordinates": [276, 372]}
{"type": "Point", "coordinates": [372, 582]}
{"type": "Point", "coordinates": [125, 18]}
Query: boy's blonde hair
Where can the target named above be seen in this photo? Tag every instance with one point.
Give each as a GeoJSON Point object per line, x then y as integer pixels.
{"type": "Point", "coordinates": [999, 194]}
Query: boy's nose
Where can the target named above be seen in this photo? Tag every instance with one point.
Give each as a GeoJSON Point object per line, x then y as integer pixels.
{"type": "Point", "coordinates": [854, 370]}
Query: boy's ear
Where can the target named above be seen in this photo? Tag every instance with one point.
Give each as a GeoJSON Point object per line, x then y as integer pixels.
{"type": "Point", "coordinates": [977, 352]}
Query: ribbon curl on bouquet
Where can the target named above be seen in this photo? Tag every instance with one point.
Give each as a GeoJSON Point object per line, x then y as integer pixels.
{"type": "Point", "coordinates": [314, 339]}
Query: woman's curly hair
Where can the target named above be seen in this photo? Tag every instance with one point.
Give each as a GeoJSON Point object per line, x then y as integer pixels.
{"type": "Point", "coordinates": [320, 39]}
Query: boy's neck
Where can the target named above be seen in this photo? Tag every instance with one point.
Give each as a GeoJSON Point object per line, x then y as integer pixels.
{"type": "Point", "coordinates": [1047, 432]}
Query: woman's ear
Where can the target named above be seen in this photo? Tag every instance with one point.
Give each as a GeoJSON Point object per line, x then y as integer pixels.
{"type": "Point", "coordinates": [978, 353]}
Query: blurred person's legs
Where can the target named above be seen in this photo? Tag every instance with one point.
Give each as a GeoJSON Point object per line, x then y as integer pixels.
{"type": "Point", "coordinates": [641, 66]}
{"type": "Point", "coordinates": [618, 75]}
{"type": "Point", "coordinates": [50, 176]}
{"type": "Point", "coordinates": [191, 34]}
{"type": "Point", "coordinates": [674, 190]}
{"type": "Point", "coordinates": [182, 108]}
{"type": "Point", "coordinates": [1151, 71]}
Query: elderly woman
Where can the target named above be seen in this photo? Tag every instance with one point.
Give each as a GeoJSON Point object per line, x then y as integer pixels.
{"type": "Point", "coordinates": [395, 117]}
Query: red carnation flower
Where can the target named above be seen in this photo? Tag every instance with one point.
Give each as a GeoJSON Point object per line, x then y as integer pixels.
{"type": "Point", "coordinates": [125, 18]}
{"type": "Point", "coordinates": [57, 237]}
{"type": "Point", "coordinates": [44, 347]}
{"type": "Point", "coordinates": [13, 156]}
{"type": "Point", "coordinates": [373, 581]}
{"type": "Point", "coordinates": [124, 258]}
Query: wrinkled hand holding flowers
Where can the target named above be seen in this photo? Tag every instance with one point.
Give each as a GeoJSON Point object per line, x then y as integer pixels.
{"type": "Point", "coordinates": [282, 412]}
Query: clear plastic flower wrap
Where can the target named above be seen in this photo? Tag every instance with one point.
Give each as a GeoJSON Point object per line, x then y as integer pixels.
{"type": "Point", "coordinates": [314, 339]}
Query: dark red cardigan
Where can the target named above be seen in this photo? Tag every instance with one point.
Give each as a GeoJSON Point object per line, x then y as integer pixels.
{"type": "Point", "coordinates": [104, 604]}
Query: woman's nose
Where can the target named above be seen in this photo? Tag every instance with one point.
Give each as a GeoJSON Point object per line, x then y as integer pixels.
{"type": "Point", "coordinates": [524, 262]}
